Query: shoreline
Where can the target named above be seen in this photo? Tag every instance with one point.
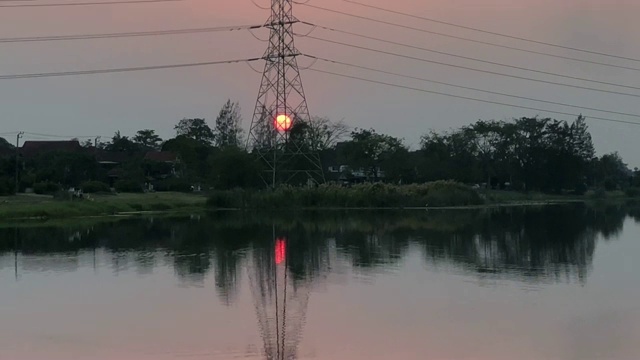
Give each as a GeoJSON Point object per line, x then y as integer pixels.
{"type": "Point", "coordinates": [31, 209]}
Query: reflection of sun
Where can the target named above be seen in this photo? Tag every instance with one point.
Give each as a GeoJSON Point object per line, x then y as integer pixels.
{"type": "Point", "coordinates": [281, 250]}
{"type": "Point", "coordinates": [283, 123]}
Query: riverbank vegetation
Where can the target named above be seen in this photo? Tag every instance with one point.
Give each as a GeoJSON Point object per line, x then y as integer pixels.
{"type": "Point", "coordinates": [47, 207]}
{"type": "Point", "coordinates": [378, 195]}
{"type": "Point", "coordinates": [487, 162]}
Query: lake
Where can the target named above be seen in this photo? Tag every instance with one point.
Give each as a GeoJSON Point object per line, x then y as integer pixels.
{"type": "Point", "coordinates": [555, 282]}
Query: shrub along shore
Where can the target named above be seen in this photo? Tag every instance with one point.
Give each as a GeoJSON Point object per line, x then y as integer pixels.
{"type": "Point", "coordinates": [439, 194]}
{"type": "Point", "coordinates": [378, 195]}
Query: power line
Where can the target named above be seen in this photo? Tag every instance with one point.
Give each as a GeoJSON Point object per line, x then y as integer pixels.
{"type": "Point", "coordinates": [492, 32]}
{"type": "Point", "coordinates": [472, 58]}
{"type": "Point", "coordinates": [128, 34]}
{"type": "Point", "coordinates": [469, 98]}
{"type": "Point", "coordinates": [474, 40]}
{"type": "Point", "coordinates": [120, 70]}
{"type": "Point", "coordinates": [62, 136]}
{"type": "Point", "coordinates": [471, 68]}
{"type": "Point", "coordinates": [126, 2]}
{"type": "Point", "coordinates": [466, 87]}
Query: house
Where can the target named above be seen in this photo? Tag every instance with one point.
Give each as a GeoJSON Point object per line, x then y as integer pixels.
{"type": "Point", "coordinates": [161, 164]}
{"type": "Point", "coordinates": [162, 156]}
{"type": "Point", "coordinates": [31, 149]}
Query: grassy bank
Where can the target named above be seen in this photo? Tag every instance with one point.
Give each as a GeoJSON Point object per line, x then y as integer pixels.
{"type": "Point", "coordinates": [34, 206]}
{"type": "Point", "coordinates": [435, 194]}
{"type": "Point", "coordinates": [365, 196]}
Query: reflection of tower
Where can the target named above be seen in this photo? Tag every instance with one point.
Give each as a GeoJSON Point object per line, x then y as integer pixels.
{"type": "Point", "coordinates": [280, 301]}
{"type": "Point", "coordinates": [282, 104]}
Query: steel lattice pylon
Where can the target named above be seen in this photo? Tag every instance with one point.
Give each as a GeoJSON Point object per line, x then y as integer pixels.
{"type": "Point", "coordinates": [281, 94]}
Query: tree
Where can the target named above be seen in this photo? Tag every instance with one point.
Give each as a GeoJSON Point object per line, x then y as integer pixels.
{"type": "Point", "coordinates": [227, 130]}
{"type": "Point", "coordinates": [233, 167]}
{"type": "Point", "coordinates": [319, 133]}
{"type": "Point", "coordinates": [4, 144]}
{"type": "Point", "coordinates": [193, 155]}
{"type": "Point", "coordinates": [147, 139]}
{"type": "Point", "coordinates": [121, 143]}
{"type": "Point", "coordinates": [369, 150]}
{"type": "Point", "coordinates": [611, 172]}
{"type": "Point", "coordinates": [196, 129]}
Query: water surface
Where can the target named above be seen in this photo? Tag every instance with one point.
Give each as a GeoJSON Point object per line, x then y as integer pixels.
{"type": "Point", "coordinates": [556, 282]}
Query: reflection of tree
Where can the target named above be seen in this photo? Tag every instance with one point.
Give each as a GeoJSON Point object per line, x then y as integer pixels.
{"type": "Point", "coordinates": [533, 243]}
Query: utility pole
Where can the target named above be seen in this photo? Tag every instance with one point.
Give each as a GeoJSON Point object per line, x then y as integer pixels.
{"type": "Point", "coordinates": [281, 104]}
{"type": "Point", "coordinates": [18, 137]}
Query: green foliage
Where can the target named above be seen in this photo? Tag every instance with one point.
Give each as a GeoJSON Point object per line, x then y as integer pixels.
{"type": "Point", "coordinates": [92, 187]}
{"type": "Point", "coordinates": [128, 186]}
{"type": "Point", "coordinates": [530, 153]}
{"type": "Point", "coordinates": [370, 151]}
{"type": "Point", "coordinates": [46, 188]}
{"type": "Point", "coordinates": [7, 186]}
{"type": "Point", "coordinates": [193, 155]}
{"type": "Point", "coordinates": [581, 189]}
{"type": "Point", "coordinates": [378, 195]}
{"type": "Point", "coordinates": [599, 194]}
{"type": "Point", "coordinates": [632, 192]}
{"type": "Point", "coordinates": [147, 139]}
{"type": "Point", "coordinates": [121, 143]}
{"type": "Point", "coordinates": [227, 130]}
{"type": "Point", "coordinates": [69, 169]}
{"type": "Point", "coordinates": [318, 133]}
{"type": "Point", "coordinates": [196, 129]}
{"type": "Point", "coordinates": [232, 167]}
{"type": "Point", "coordinates": [173, 184]}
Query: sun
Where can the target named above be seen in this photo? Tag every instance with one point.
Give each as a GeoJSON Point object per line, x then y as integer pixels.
{"type": "Point", "coordinates": [282, 123]}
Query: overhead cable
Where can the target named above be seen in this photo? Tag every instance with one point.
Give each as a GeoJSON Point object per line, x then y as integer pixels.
{"type": "Point", "coordinates": [492, 32]}
{"type": "Point", "coordinates": [469, 98]}
{"type": "Point", "coordinates": [472, 69]}
{"type": "Point", "coordinates": [473, 40]}
{"type": "Point", "coordinates": [471, 58]}
{"type": "Point", "coordinates": [125, 2]}
{"type": "Point", "coordinates": [121, 70]}
{"type": "Point", "coordinates": [466, 87]}
{"type": "Point", "coordinates": [128, 34]}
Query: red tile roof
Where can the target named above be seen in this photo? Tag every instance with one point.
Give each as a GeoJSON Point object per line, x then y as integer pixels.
{"type": "Point", "coordinates": [34, 148]}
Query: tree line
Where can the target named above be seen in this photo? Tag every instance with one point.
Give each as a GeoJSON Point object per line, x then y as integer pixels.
{"type": "Point", "coordinates": [528, 154]}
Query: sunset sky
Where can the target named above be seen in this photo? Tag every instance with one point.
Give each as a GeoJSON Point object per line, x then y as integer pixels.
{"type": "Point", "coordinates": [102, 104]}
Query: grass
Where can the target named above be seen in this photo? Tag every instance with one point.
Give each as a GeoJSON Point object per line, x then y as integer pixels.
{"type": "Point", "coordinates": [46, 207]}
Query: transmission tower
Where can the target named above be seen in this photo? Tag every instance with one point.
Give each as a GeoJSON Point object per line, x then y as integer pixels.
{"type": "Point", "coordinates": [276, 134]}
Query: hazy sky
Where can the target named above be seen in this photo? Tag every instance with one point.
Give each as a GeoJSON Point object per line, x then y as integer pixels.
{"type": "Point", "coordinates": [102, 104]}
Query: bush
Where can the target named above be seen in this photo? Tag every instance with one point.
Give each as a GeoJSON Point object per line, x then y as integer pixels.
{"type": "Point", "coordinates": [632, 192]}
{"type": "Point", "coordinates": [610, 185]}
{"type": "Point", "coordinates": [7, 186]}
{"type": "Point", "coordinates": [128, 186]}
{"type": "Point", "coordinates": [92, 187]}
{"type": "Point", "coordinates": [580, 189]}
{"type": "Point", "coordinates": [173, 184]}
{"type": "Point", "coordinates": [599, 194]}
{"type": "Point", "coordinates": [46, 188]}
{"type": "Point", "coordinates": [436, 194]}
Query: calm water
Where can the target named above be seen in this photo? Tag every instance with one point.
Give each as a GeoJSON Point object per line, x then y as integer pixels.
{"type": "Point", "coordinates": [530, 284]}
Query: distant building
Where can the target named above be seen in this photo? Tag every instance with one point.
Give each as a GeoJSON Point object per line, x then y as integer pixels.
{"type": "Point", "coordinates": [31, 149]}
{"type": "Point", "coordinates": [162, 156]}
